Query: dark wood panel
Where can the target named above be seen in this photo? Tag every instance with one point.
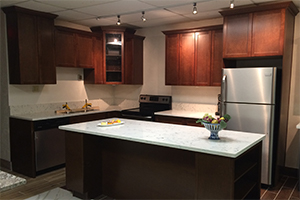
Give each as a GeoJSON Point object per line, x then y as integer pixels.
{"type": "Point", "coordinates": [140, 171]}
{"type": "Point", "coordinates": [29, 68]}
{"type": "Point", "coordinates": [171, 120]}
{"type": "Point", "coordinates": [65, 49]}
{"type": "Point", "coordinates": [88, 117]}
{"type": "Point", "coordinates": [217, 58]}
{"type": "Point", "coordinates": [187, 59]}
{"type": "Point", "coordinates": [84, 51]}
{"type": "Point", "coordinates": [203, 58]}
{"type": "Point", "coordinates": [268, 33]}
{"type": "Point", "coordinates": [22, 147]}
{"type": "Point", "coordinates": [237, 36]}
{"type": "Point", "coordinates": [47, 70]}
{"type": "Point", "coordinates": [172, 59]}
{"type": "Point", "coordinates": [138, 71]}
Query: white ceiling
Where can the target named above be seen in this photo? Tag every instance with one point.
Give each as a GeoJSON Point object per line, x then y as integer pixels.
{"type": "Point", "coordinates": [157, 12]}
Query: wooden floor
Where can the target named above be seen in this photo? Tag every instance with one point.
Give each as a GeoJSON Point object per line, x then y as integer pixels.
{"type": "Point", "coordinates": [36, 185]}
{"type": "Point", "coordinates": [287, 189]}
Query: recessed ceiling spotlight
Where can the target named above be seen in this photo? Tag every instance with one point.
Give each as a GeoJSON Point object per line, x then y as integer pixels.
{"type": "Point", "coordinates": [119, 21]}
{"type": "Point", "coordinates": [195, 9]}
{"type": "Point", "coordinates": [143, 17]}
{"type": "Point", "coordinates": [231, 4]}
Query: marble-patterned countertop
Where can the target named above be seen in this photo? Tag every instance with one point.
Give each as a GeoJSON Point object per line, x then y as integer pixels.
{"type": "Point", "coordinates": [183, 113]}
{"type": "Point", "coordinates": [298, 126]}
{"type": "Point", "coordinates": [52, 114]}
{"type": "Point", "coordinates": [231, 143]}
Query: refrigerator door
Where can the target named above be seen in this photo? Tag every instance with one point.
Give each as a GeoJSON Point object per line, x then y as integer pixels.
{"type": "Point", "coordinates": [257, 119]}
{"type": "Point", "coordinates": [249, 85]}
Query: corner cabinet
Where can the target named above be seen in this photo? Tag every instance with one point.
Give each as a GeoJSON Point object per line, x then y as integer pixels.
{"type": "Point", "coordinates": [122, 55]}
{"type": "Point", "coordinates": [257, 31]}
{"type": "Point", "coordinates": [194, 56]}
{"type": "Point", "coordinates": [30, 38]}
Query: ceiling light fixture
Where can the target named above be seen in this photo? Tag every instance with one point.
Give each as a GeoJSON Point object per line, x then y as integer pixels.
{"type": "Point", "coordinates": [195, 9]}
{"type": "Point", "coordinates": [231, 4]}
{"type": "Point", "coordinates": [143, 17]}
{"type": "Point", "coordinates": [119, 21]}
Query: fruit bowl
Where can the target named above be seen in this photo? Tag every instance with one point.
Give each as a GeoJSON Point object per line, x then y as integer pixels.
{"type": "Point", "coordinates": [214, 130]}
{"type": "Point", "coordinates": [214, 125]}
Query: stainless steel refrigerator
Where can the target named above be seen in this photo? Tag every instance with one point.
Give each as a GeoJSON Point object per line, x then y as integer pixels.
{"type": "Point", "coordinates": [249, 97]}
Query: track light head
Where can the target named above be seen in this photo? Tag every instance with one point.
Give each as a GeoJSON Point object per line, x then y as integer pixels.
{"type": "Point", "coordinates": [143, 17]}
{"type": "Point", "coordinates": [119, 21]}
{"type": "Point", "coordinates": [231, 4]}
{"type": "Point", "coordinates": [195, 9]}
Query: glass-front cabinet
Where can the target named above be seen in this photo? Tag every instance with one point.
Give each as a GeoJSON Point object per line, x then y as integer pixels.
{"type": "Point", "coordinates": [114, 57]}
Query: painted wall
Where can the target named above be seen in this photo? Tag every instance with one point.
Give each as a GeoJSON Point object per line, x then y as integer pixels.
{"type": "Point", "coordinates": [293, 140]}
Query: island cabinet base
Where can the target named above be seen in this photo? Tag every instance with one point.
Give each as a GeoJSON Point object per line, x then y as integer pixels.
{"type": "Point", "coordinates": [122, 169]}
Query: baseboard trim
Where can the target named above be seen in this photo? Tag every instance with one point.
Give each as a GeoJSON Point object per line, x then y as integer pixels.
{"type": "Point", "coordinates": [5, 164]}
{"type": "Point", "coordinates": [292, 172]}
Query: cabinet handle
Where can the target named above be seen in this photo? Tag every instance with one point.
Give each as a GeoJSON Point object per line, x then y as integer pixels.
{"type": "Point", "coordinates": [223, 95]}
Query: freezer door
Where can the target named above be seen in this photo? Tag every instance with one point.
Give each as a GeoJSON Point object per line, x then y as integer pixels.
{"type": "Point", "coordinates": [256, 119]}
{"type": "Point", "coordinates": [251, 85]}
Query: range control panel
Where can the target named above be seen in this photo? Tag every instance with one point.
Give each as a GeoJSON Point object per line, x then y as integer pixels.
{"type": "Point", "coordinates": [155, 99]}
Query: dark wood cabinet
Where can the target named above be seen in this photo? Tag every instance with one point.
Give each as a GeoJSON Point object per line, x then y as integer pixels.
{"type": "Point", "coordinates": [177, 120]}
{"type": "Point", "coordinates": [172, 59]}
{"type": "Point", "coordinates": [194, 56]}
{"type": "Point", "coordinates": [186, 59]}
{"type": "Point", "coordinates": [65, 49]}
{"type": "Point", "coordinates": [122, 55]}
{"type": "Point", "coordinates": [256, 31]}
{"type": "Point", "coordinates": [133, 52]}
{"type": "Point", "coordinates": [30, 36]}
{"type": "Point", "coordinates": [73, 48]}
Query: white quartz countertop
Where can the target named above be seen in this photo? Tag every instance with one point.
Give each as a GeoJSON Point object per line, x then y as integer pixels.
{"type": "Point", "coordinates": [231, 143]}
{"type": "Point", "coordinates": [51, 114]}
{"type": "Point", "coordinates": [298, 126]}
{"type": "Point", "coordinates": [183, 113]}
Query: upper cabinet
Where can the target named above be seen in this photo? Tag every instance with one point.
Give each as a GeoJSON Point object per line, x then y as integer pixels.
{"type": "Point", "coordinates": [122, 55]}
{"type": "Point", "coordinates": [30, 36]}
{"type": "Point", "coordinates": [259, 31]}
{"type": "Point", "coordinates": [73, 48]}
{"type": "Point", "coordinates": [194, 56]}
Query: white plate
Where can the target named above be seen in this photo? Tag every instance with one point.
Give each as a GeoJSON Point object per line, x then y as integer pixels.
{"type": "Point", "coordinates": [107, 125]}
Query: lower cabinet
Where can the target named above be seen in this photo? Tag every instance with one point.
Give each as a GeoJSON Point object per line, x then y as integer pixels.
{"type": "Point", "coordinates": [131, 170]}
{"type": "Point", "coordinates": [177, 120]}
{"type": "Point", "coordinates": [30, 155]}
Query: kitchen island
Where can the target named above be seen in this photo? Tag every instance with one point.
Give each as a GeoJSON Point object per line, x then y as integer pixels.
{"type": "Point", "coordinates": [149, 160]}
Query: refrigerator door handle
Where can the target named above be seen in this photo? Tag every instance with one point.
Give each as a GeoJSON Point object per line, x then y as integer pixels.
{"type": "Point", "coordinates": [223, 94]}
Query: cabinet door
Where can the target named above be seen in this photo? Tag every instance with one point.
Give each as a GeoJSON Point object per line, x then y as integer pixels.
{"type": "Point", "coordinates": [186, 60]}
{"type": "Point", "coordinates": [65, 49]}
{"type": "Point", "coordinates": [172, 59]}
{"type": "Point", "coordinates": [203, 58]}
{"type": "Point", "coordinates": [133, 68]}
{"type": "Point", "coordinates": [28, 63]}
{"type": "Point", "coordinates": [217, 58]}
{"type": "Point", "coordinates": [84, 51]}
{"type": "Point", "coordinates": [268, 33]}
{"type": "Point", "coordinates": [98, 60]}
{"type": "Point", "coordinates": [237, 36]}
{"type": "Point", "coordinates": [47, 70]}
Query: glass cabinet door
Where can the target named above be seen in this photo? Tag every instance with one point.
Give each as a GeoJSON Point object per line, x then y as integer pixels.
{"type": "Point", "coordinates": [113, 57]}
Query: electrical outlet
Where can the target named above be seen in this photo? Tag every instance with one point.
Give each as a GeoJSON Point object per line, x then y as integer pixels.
{"type": "Point", "coordinates": [79, 76]}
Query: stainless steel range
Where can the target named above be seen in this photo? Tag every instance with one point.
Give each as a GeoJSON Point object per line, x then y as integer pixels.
{"type": "Point", "coordinates": [149, 104]}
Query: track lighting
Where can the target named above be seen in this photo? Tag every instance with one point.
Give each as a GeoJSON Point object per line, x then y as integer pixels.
{"type": "Point", "coordinates": [195, 9]}
{"type": "Point", "coordinates": [119, 21]}
{"type": "Point", "coordinates": [231, 4]}
{"type": "Point", "coordinates": [143, 17]}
